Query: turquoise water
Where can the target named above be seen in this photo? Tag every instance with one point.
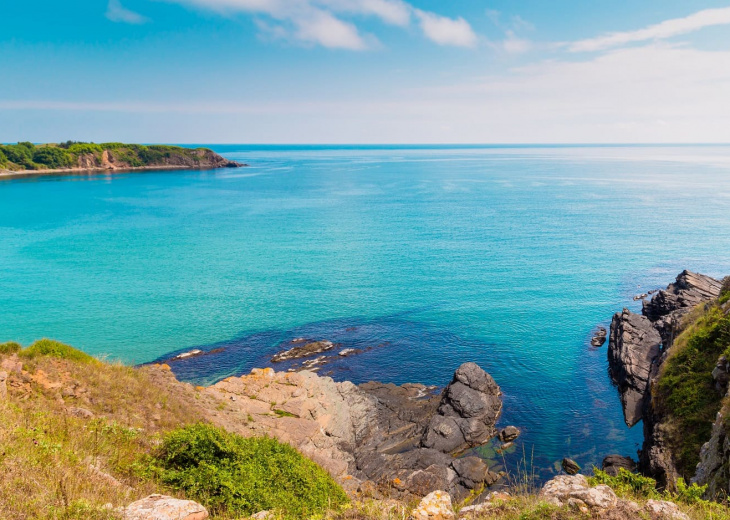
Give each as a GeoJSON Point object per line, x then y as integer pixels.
{"type": "Point", "coordinates": [504, 256]}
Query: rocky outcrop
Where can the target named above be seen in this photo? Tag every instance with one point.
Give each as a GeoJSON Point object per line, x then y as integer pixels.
{"type": "Point", "coordinates": [161, 507]}
{"type": "Point", "coordinates": [713, 469]}
{"type": "Point", "coordinates": [638, 344]}
{"type": "Point", "coordinates": [633, 346]}
{"type": "Point", "coordinates": [667, 307]}
{"type": "Point", "coordinates": [601, 501]}
{"type": "Point", "coordinates": [467, 413]}
{"type": "Point", "coordinates": [377, 437]}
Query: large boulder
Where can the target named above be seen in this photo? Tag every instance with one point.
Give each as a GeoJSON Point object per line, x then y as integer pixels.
{"type": "Point", "coordinates": [569, 489]}
{"type": "Point", "coordinates": [161, 507]}
{"type": "Point", "coordinates": [469, 409]}
{"type": "Point", "coordinates": [434, 506]}
{"type": "Point", "coordinates": [633, 345]}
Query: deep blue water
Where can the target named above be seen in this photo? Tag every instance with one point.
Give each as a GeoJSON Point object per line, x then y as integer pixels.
{"type": "Point", "coordinates": [432, 256]}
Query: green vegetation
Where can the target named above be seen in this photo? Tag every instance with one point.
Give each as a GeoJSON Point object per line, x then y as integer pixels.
{"type": "Point", "coordinates": [626, 484]}
{"type": "Point", "coordinates": [685, 393]}
{"type": "Point", "coordinates": [47, 453]}
{"type": "Point", "coordinates": [10, 347]}
{"type": "Point", "coordinates": [52, 348]}
{"type": "Point", "coordinates": [231, 474]}
{"type": "Point", "coordinates": [74, 154]}
{"type": "Point", "coordinates": [636, 487]}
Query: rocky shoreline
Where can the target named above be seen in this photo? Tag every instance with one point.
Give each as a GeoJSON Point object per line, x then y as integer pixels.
{"type": "Point", "coordinates": [638, 346]}
{"type": "Point", "coordinates": [375, 438]}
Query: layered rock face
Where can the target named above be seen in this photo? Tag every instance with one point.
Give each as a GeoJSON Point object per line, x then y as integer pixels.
{"type": "Point", "coordinates": [638, 344]}
{"type": "Point", "coordinates": [633, 345]}
{"type": "Point", "coordinates": [375, 436]}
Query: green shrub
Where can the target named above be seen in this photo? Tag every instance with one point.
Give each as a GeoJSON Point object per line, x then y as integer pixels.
{"type": "Point", "coordinates": [81, 148]}
{"type": "Point", "coordinates": [231, 474]}
{"type": "Point", "coordinates": [10, 347]}
{"type": "Point", "coordinates": [3, 158]}
{"type": "Point", "coordinates": [52, 157]}
{"type": "Point", "coordinates": [52, 348]}
{"type": "Point", "coordinates": [626, 484]}
{"type": "Point", "coordinates": [20, 154]}
{"type": "Point", "coordinates": [685, 393]}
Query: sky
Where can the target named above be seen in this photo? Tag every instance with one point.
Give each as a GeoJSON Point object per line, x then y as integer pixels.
{"type": "Point", "coordinates": [365, 71]}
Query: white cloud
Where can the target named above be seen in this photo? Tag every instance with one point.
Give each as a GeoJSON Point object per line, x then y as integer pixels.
{"type": "Point", "coordinates": [116, 12]}
{"type": "Point", "coordinates": [656, 93]}
{"type": "Point", "coordinates": [320, 21]}
{"type": "Point", "coordinates": [446, 31]}
{"type": "Point", "coordinates": [660, 31]}
{"type": "Point", "coordinates": [324, 29]}
{"type": "Point", "coordinates": [515, 45]}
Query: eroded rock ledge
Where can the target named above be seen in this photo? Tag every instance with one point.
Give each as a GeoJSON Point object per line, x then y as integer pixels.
{"type": "Point", "coordinates": [372, 437]}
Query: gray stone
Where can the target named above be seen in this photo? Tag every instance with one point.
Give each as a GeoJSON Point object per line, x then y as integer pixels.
{"type": "Point", "coordinates": [633, 345]}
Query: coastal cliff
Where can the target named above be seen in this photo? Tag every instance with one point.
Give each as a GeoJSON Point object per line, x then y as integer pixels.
{"type": "Point", "coordinates": [670, 367]}
{"type": "Point", "coordinates": [28, 159]}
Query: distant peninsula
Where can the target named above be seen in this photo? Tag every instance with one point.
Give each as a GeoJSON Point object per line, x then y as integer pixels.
{"type": "Point", "coordinates": [30, 159]}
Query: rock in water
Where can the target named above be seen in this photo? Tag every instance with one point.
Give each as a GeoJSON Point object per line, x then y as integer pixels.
{"type": "Point", "coordinates": [310, 349]}
{"type": "Point", "coordinates": [633, 345]}
{"type": "Point", "coordinates": [509, 434]}
{"type": "Point", "coordinates": [434, 506]}
{"type": "Point", "coordinates": [161, 507]}
{"type": "Point", "coordinates": [570, 466]}
{"type": "Point", "coordinates": [469, 409]}
{"type": "Point", "coordinates": [613, 463]}
{"type": "Point", "coordinates": [599, 338]}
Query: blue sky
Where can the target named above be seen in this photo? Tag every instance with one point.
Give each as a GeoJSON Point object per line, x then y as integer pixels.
{"type": "Point", "coordinates": [365, 71]}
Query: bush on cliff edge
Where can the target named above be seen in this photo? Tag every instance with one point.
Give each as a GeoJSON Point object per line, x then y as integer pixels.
{"type": "Point", "coordinates": [231, 474]}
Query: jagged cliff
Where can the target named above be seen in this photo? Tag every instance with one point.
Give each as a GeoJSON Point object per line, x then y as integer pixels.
{"type": "Point", "coordinates": [662, 362]}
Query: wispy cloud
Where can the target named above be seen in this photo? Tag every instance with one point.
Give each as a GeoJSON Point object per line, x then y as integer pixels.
{"type": "Point", "coordinates": [446, 31]}
{"type": "Point", "coordinates": [511, 43]}
{"type": "Point", "coordinates": [116, 12]}
{"type": "Point", "coordinates": [660, 31]}
{"type": "Point", "coordinates": [321, 22]}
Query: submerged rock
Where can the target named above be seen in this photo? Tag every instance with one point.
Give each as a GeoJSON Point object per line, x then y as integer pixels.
{"type": "Point", "coordinates": [306, 350]}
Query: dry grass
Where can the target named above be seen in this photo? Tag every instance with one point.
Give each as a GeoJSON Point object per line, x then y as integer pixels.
{"type": "Point", "coordinates": [57, 464]}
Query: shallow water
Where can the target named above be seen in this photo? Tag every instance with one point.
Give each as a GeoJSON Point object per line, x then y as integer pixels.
{"type": "Point", "coordinates": [431, 255]}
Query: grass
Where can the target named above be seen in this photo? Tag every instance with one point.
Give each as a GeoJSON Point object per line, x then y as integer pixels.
{"type": "Point", "coordinates": [685, 393]}
{"type": "Point", "coordinates": [238, 476]}
{"type": "Point", "coordinates": [56, 349]}
{"type": "Point", "coordinates": [47, 454]}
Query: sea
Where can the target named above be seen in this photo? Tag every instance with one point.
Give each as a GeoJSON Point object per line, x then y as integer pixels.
{"type": "Point", "coordinates": [423, 257]}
